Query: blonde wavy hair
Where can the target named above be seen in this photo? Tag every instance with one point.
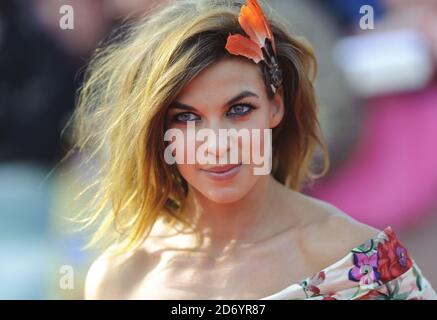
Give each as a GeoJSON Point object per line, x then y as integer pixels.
{"type": "Point", "coordinates": [128, 86]}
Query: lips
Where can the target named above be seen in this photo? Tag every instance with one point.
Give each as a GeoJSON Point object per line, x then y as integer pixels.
{"type": "Point", "coordinates": [220, 169]}
{"type": "Point", "coordinates": [222, 173]}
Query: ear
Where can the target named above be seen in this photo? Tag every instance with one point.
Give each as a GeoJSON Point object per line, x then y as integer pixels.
{"type": "Point", "coordinates": [277, 108]}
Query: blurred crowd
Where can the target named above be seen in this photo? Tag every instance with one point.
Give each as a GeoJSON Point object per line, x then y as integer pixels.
{"type": "Point", "coordinates": [376, 89]}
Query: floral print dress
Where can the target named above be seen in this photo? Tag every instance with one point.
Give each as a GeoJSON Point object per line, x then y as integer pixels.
{"type": "Point", "coordinates": [379, 269]}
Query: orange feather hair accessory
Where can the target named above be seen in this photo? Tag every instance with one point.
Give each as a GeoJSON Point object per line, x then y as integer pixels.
{"type": "Point", "coordinates": [260, 43]}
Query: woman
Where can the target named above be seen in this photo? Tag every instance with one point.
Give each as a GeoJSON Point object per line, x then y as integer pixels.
{"type": "Point", "coordinates": [196, 230]}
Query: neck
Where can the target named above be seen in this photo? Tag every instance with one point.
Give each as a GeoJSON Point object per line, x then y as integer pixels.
{"type": "Point", "coordinates": [253, 218]}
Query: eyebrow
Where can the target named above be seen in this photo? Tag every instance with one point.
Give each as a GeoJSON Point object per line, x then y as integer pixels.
{"type": "Point", "coordinates": [242, 95]}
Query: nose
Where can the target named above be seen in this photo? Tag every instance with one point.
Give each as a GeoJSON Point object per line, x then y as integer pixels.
{"type": "Point", "coordinates": [216, 144]}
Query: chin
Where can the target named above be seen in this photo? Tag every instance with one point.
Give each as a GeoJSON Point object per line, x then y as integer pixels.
{"type": "Point", "coordinates": [223, 195]}
{"type": "Point", "coordinates": [230, 192]}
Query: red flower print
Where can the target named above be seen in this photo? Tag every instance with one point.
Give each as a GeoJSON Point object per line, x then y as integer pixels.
{"type": "Point", "coordinates": [310, 286]}
{"type": "Point", "coordinates": [329, 296]}
{"type": "Point", "coordinates": [393, 258]}
{"type": "Point", "coordinates": [371, 295]}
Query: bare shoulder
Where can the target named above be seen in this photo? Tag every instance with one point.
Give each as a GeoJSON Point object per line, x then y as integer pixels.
{"type": "Point", "coordinates": [101, 280]}
{"type": "Point", "coordinates": [113, 276]}
{"type": "Point", "coordinates": [119, 276]}
{"type": "Point", "coordinates": [329, 233]}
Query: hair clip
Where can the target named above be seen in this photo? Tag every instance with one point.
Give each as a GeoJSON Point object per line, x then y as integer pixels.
{"type": "Point", "coordinates": [260, 43]}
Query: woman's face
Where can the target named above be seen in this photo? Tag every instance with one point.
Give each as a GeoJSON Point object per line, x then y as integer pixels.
{"type": "Point", "coordinates": [230, 94]}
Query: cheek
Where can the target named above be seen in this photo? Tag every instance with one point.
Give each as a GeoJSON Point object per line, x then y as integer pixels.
{"type": "Point", "coordinates": [182, 145]}
{"type": "Point", "coordinates": [259, 145]}
{"type": "Point", "coordinates": [187, 171]}
{"type": "Point", "coordinates": [259, 119]}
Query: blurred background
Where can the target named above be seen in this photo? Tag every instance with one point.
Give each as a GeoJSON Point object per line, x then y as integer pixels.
{"type": "Point", "coordinates": [376, 88]}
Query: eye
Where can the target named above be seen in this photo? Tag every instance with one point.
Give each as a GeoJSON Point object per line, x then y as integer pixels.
{"type": "Point", "coordinates": [185, 117]}
{"type": "Point", "coordinates": [240, 110]}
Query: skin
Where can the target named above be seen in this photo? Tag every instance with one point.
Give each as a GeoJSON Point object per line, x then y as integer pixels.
{"type": "Point", "coordinates": [260, 237]}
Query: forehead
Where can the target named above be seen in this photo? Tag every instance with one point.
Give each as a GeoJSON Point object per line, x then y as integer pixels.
{"type": "Point", "coordinates": [223, 79]}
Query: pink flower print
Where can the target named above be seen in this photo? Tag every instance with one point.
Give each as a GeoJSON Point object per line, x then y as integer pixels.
{"type": "Point", "coordinates": [365, 268]}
